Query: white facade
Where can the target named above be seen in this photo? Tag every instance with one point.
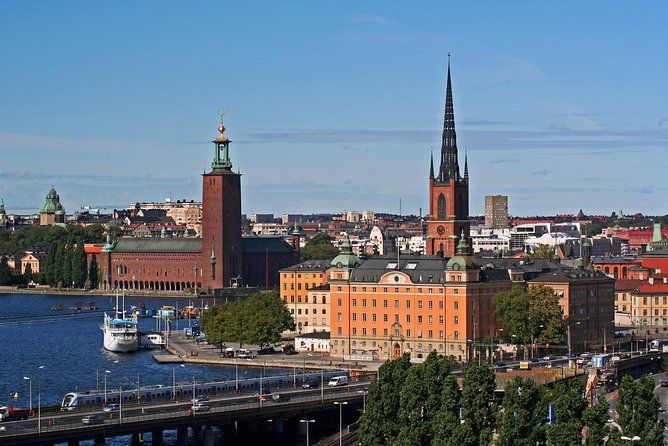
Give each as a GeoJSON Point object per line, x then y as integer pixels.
{"type": "Point", "coordinates": [269, 229]}
{"type": "Point", "coordinates": [368, 216]}
{"type": "Point", "coordinates": [313, 342]}
{"type": "Point", "coordinates": [488, 239]}
{"type": "Point", "coordinates": [353, 217]}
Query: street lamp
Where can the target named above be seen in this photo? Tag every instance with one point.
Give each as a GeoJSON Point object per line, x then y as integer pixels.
{"type": "Point", "coordinates": [364, 392]}
{"type": "Point", "coordinates": [27, 378]}
{"type": "Point", "coordinates": [570, 360]}
{"type": "Point", "coordinates": [307, 421]}
{"type": "Point", "coordinates": [174, 381]}
{"type": "Point", "coordinates": [39, 402]}
{"type": "Point", "coordinates": [106, 372]}
{"type": "Point", "coordinates": [340, 404]}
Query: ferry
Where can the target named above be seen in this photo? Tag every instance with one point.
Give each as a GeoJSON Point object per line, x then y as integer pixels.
{"type": "Point", "coordinates": [120, 332]}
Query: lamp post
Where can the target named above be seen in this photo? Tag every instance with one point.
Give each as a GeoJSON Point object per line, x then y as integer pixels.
{"type": "Point", "coordinates": [106, 372]}
{"type": "Point", "coordinates": [174, 381]}
{"type": "Point", "coordinates": [570, 360]}
{"type": "Point", "coordinates": [364, 392]}
{"type": "Point", "coordinates": [340, 404]}
{"type": "Point", "coordinates": [27, 378]}
{"type": "Point", "coordinates": [120, 404]}
{"type": "Point", "coordinates": [39, 402]}
{"type": "Point", "coordinates": [307, 421]}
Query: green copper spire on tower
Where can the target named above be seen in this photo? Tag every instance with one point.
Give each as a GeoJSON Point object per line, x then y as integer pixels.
{"type": "Point", "coordinates": [222, 143]}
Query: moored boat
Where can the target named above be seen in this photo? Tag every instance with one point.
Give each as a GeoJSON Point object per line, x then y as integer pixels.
{"type": "Point", "coordinates": [120, 332]}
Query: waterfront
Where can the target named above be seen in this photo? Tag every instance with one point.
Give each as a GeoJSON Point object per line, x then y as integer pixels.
{"type": "Point", "coordinates": [61, 351]}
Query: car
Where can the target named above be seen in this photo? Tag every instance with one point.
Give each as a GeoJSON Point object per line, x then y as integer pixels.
{"type": "Point", "coordinates": [92, 419]}
{"type": "Point", "coordinates": [310, 385]}
{"type": "Point", "coordinates": [200, 398]}
{"type": "Point", "coordinates": [289, 350]}
{"type": "Point", "coordinates": [549, 358]}
{"type": "Point", "coordinates": [663, 383]}
{"type": "Point", "coordinates": [534, 359]}
{"type": "Point", "coordinates": [280, 397]}
{"type": "Point", "coordinates": [199, 407]}
{"type": "Point", "coordinates": [112, 407]}
{"type": "Point", "coordinates": [499, 364]}
{"type": "Point", "coordinates": [262, 392]}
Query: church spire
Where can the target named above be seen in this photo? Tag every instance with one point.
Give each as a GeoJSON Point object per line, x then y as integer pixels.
{"type": "Point", "coordinates": [466, 165]}
{"type": "Point", "coordinates": [431, 166]}
{"type": "Point", "coordinates": [449, 168]}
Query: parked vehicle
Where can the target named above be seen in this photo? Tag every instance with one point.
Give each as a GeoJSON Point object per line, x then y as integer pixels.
{"type": "Point", "coordinates": [111, 407]}
{"type": "Point", "coordinates": [200, 398]}
{"type": "Point", "coordinates": [310, 385]}
{"type": "Point", "coordinates": [337, 381]}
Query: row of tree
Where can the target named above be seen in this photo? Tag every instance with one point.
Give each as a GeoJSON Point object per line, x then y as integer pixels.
{"type": "Point", "coordinates": [258, 320]}
{"type": "Point", "coordinates": [67, 266]}
{"type": "Point", "coordinates": [414, 405]}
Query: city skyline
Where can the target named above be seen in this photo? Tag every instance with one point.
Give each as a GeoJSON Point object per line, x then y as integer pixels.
{"type": "Point", "coordinates": [334, 106]}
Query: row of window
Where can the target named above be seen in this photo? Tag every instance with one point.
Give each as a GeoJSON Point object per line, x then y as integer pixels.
{"type": "Point", "coordinates": [430, 318]}
{"type": "Point", "coordinates": [430, 304]}
{"type": "Point", "coordinates": [299, 311]}
{"type": "Point", "coordinates": [314, 299]}
{"type": "Point", "coordinates": [397, 332]}
{"type": "Point", "coordinates": [122, 270]}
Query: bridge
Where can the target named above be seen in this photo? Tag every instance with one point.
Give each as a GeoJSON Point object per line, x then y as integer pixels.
{"type": "Point", "coordinates": [70, 426]}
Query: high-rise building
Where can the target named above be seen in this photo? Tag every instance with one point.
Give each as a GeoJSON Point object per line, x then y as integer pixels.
{"type": "Point", "coordinates": [496, 211]}
{"type": "Point", "coordinates": [448, 191]}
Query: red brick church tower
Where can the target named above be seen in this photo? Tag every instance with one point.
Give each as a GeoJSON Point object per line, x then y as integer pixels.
{"type": "Point", "coordinates": [221, 219]}
{"type": "Point", "coordinates": [448, 191]}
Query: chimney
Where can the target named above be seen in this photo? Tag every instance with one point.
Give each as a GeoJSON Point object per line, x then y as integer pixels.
{"type": "Point", "coordinates": [651, 280]}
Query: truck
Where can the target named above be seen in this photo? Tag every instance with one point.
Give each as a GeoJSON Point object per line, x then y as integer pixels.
{"type": "Point", "coordinates": [9, 413]}
{"type": "Point", "coordinates": [600, 360]}
{"type": "Point", "coordinates": [525, 365]}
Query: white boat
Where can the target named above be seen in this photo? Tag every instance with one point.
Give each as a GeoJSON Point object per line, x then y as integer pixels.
{"type": "Point", "coordinates": [120, 332]}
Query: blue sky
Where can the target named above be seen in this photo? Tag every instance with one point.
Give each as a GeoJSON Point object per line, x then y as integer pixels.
{"type": "Point", "coordinates": [335, 105]}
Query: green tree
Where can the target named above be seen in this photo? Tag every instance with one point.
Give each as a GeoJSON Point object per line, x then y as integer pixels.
{"type": "Point", "coordinates": [414, 419]}
{"type": "Point", "coordinates": [524, 412]}
{"type": "Point", "coordinates": [59, 259]}
{"type": "Point", "coordinates": [50, 267]}
{"type": "Point", "coordinates": [267, 317]}
{"type": "Point", "coordinates": [379, 425]}
{"type": "Point", "coordinates": [569, 405]}
{"type": "Point", "coordinates": [5, 272]}
{"type": "Point", "coordinates": [596, 420]}
{"type": "Point", "coordinates": [27, 273]}
{"type": "Point", "coordinates": [79, 265]}
{"type": "Point", "coordinates": [638, 410]}
{"type": "Point", "coordinates": [446, 422]}
{"type": "Point", "coordinates": [478, 410]}
{"type": "Point", "coordinates": [530, 314]}
{"type": "Point", "coordinates": [67, 265]}
{"type": "Point", "coordinates": [543, 252]}
{"type": "Point", "coordinates": [319, 247]}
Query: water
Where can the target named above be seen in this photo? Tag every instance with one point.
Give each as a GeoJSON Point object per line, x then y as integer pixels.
{"type": "Point", "coordinates": [61, 351]}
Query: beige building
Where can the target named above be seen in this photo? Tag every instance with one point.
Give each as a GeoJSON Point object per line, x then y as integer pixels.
{"type": "Point", "coordinates": [496, 211]}
{"type": "Point", "coordinates": [300, 287]}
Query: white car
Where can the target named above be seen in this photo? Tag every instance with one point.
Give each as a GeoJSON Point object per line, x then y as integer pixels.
{"type": "Point", "coordinates": [111, 407]}
{"type": "Point", "coordinates": [199, 407]}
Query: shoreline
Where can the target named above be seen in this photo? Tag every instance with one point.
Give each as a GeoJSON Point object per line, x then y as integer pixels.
{"type": "Point", "coordinates": [98, 292]}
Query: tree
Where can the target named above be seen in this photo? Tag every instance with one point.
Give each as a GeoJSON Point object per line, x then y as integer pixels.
{"type": "Point", "coordinates": [569, 405]}
{"type": "Point", "coordinates": [79, 266]}
{"type": "Point", "coordinates": [27, 273]}
{"type": "Point", "coordinates": [319, 247]}
{"type": "Point", "coordinates": [530, 314]}
{"type": "Point", "coordinates": [379, 424]}
{"type": "Point", "coordinates": [267, 317]}
{"type": "Point", "coordinates": [638, 410]}
{"type": "Point", "coordinates": [59, 259]}
{"type": "Point", "coordinates": [524, 412]}
{"type": "Point", "coordinates": [477, 407]}
{"type": "Point", "coordinates": [5, 272]}
{"type": "Point", "coordinates": [543, 252]}
{"type": "Point", "coordinates": [67, 265]}
{"type": "Point", "coordinates": [50, 267]}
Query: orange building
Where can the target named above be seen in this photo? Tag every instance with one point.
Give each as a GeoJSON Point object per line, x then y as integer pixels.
{"type": "Point", "coordinates": [295, 284]}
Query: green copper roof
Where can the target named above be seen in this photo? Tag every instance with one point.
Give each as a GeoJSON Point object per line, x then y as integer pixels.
{"type": "Point", "coordinates": [346, 259]}
{"type": "Point", "coordinates": [52, 204]}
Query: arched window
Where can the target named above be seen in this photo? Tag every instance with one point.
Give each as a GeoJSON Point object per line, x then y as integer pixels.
{"type": "Point", "coordinates": [441, 207]}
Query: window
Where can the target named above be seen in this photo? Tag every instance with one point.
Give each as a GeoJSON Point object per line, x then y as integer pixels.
{"type": "Point", "coordinates": [354, 330]}
{"type": "Point", "coordinates": [364, 302]}
{"type": "Point", "coordinates": [373, 303]}
{"type": "Point", "coordinates": [419, 304]}
{"type": "Point", "coordinates": [385, 317]}
{"type": "Point", "coordinates": [340, 317]}
{"type": "Point", "coordinates": [411, 265]}
{"type": "Point", "coordinates": [440, 304]}
{"type": "Point", "coordinates": [440, 334]}
{"type": "Point", "coordinates": [430, 304]}
{"type": "Point", "coordinates": [363, 317]}
{"type": "Point", "coordinates": [408, 333]}
{"type": "Point", "coordinates": [373, 332]}
{"type": "Point", "coordinates": [456, 305]}
{"type": "Point", "coordinates": [299, 311]}
{"type": "Point", "coordinates": [440, 319]}
{"type": "Point", "coordinates": [431, 335]}
{"type": "Point", "coordinates": [384, 331]}
{"type": "Point", "coordinates": [408, 303]}
{"type": "Point", "coordinates": [408, 318]}
{"type": "Point", "coordinates": [324, 299]}
{"type": "Point", "coordinates": [456, 320]}
{"type": "Point", "coordinates": [419, 319]}
{"type": "Point", "coordinates": [431, 319]}
{"type": "Point", "coordinates": [364, 331]}
{"type": "Point", "coordinates": [396, 304]}
{"type": "Point", "coordinates": [385, 303]}
{"type": "Point", "coordinates": [354, 302]}
{"type": "Point", "coordinates": [338, 302]}
{"type": "Point", "coordinates": [456, 335]}
{"type": "Point", "coordinates": [391, 265]}
{"type": "Point", "coordinates": [373, 317]}
{"type": "Point", "coordinates": [354, 316]}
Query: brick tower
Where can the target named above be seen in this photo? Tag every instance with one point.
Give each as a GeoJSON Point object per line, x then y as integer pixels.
{"type": "Point", "coordinates": [448, 192]}
{"type": "Point", "coordinates": [221, 219]}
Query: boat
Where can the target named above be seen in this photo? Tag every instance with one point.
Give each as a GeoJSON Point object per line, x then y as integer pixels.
{"type": "Point", "coordinates": [120, 331]}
